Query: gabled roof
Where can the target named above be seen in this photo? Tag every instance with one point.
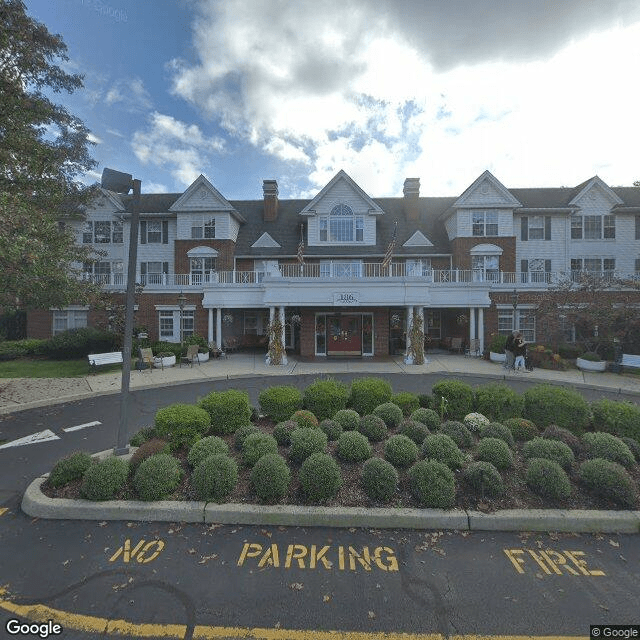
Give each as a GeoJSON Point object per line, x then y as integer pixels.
{"type": "Point", "coordinates": [113, 197]}
{"type": "Point", "coordinates": [309, 210]}
{"type": "Point", "coordinates": [265, 240]}
{"type": "Point", "coordinates": [418, 239]}
{"type": "Point", "coordinates": [507, 198]}
{"type": "Point", "coordinates": [593, 182]}
{"type": "Point", "coordinates": [203, 186]}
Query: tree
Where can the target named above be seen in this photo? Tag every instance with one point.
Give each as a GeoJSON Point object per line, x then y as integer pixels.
{"type": "Point", "coordinates": [43, 150]}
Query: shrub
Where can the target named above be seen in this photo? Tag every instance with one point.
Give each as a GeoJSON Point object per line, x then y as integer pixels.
{"type": "Point", "coordinates": [414, 430]}
{"type": "Point", "coordinates": [390, 413]}
{"type": "Point", "coordinates": [548, 479]}
{"type": "Point", "coordinates": [432, 484]}
{"type": "Point", "coordinates": [545, 405]}
{"type": "Point", "coordinates": [474, 421]}
{"type": "Point", "coordinates": [283, 430]}
{"type": "Point", "coordinates": [428, 417]}
{"type": "Point", "coordinates": [215, 478]}
{"type": "Point", "coordinates": [608, 480]}
{"type": "Point", "coordinates": [69, 468]}
{"type": "Point", "coordinates": [320, 477]}
{"type": "Point", "coordinates": [206, 447]}
{"type": "Point", "coordinates": [353, 447]}
{"type": "Point", "coordinates": [241, 434]}
{"type": "Point", "coordinates": [458, 396]}
{"type": "Point", "coordinates": [79, 343]}
{"type": "Point", "coordinates": [497, 430]}
{"type": "Point", "coordinates": [483, 478]}
{"type": "Point", "coordinates": [305, 419]}
{"type": "Point", "coordinates": [521, 429]}
{"type": "Point", "coordinates": [229, 410]}
{"type": "Point", "coordinates": [367, 393]}
{"type": "Point", "coordinates": [498, 402]}
{"type": "Point", "coordinates": [148, 449]}
{"type": "Point", "coordinates": [553, 432]}
{"type": "Point", "coordinates": [12, 349]}
{"type": "Point", "coordinates": [379, 479]}
{"type": "Point", "coordinates": [157, 477]}
{"type": "Point", "coordinates": [496, 452]}
{"type": "Point", "coordinates": [400, 451]}
{"type": "Point", "coordinates": [331, 428]}
{"type": "Point", "coordinates": [458, 433]}
{"type": "Point", "coordinates": [142, 436]}
{"type": "Point", "coordinates": [325, 397]}
{"type": "Point", "coordinates": [442, 448]}
{"type": "Point", "coordinates": [279, 403]}
{"type": "Point", "coordinates": [305, 441]}
{"type": "Point", "coordinates": [550, 450]}
{"type": "Point", "coordinates": [103, 481]}
{"type": "Point", "coordinates": [607, 446]}
{"type": "Point", "coordinates": [425, 400]}
{"type": "Point", "coordinates": [373, 427]}
{"type": "Point", "coordinates": [257, 445]}
{"type": "Point", "coordinates": [270, 477]}
{"type": "Point", "coordinates": [348, 419]}
{"type": "Point", "coordinates": [181, 424]}
{"type": "Point", "coordinates": [634, 447]}
{"type": "Point", "coordinates": [619, 418]}
{"type": "Point", "coordinates": [408, 402]}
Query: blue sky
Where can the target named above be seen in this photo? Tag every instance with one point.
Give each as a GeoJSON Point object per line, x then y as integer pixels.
{"type": "Point", "coordinates": [541, 94]}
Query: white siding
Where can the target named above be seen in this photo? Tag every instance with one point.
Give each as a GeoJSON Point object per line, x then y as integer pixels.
{"type": "Point", "coordinates": [486, 195]}
{"type": "Point", "coordinates": [451, 225]}
{"type": "Point", "coordinates": [464, 226]}
{"type": "Point", "coordinates": [226, 226]}
{"type": "Point", "coordinates": [553, 249]}
{"type": "Point", "coordinates": [203, 199]}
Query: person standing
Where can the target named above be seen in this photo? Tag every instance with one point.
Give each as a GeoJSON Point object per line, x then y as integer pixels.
{"type": "Point", "coordinates": [519, 350]}
{"type": "Point", "coordinates": [508, 350]}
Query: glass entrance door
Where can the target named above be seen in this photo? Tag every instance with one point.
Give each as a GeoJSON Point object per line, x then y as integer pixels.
{"type": "Point", "coordinates": [344, 335]}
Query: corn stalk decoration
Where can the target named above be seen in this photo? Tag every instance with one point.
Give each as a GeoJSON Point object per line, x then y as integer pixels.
{"type": "Point", "coordinates": [276, 348]}
{"type": "Point", "coordinates": [416, 339]}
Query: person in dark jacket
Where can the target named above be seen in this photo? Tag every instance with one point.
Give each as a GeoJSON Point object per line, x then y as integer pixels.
{"type": "Point", "coordinates": [520, 351]}
{"type": "Point", "coordinates": [508, 350]}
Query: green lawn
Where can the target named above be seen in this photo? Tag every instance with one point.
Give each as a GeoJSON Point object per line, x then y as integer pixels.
{"type": "Point", "coordinates": [28, 368]}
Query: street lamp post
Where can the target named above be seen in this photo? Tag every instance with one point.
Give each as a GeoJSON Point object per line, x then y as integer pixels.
{"type": "Point", "coordinates": [122, 183]}
{"type": "Point", "coordinates": [182, 300]}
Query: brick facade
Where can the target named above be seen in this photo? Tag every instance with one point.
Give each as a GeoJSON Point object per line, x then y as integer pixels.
{"type": "Point", "coordinates": [461, 248]}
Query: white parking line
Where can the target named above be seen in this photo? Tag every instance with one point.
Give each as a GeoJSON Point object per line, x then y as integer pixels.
{"type": "Point", "coordinates": [95, 423]}
{"type": "Point", "coordinates": [34, 438]}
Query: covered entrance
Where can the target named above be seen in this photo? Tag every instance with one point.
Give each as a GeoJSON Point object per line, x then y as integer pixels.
{"type": "Point", "coordinates": [344, 334]}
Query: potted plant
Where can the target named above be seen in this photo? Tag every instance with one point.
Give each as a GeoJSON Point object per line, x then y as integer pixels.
{"type": "Point", "coordinates": [164, 359]}
{"type": "Point", "coordinates": [496, 347]}
{"type": "Point", "coordinates": [591, 361]}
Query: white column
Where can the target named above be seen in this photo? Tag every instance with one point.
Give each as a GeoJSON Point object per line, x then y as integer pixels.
{"type": "Point", "coordinates": [472, 324]}
{"type": "Point", "coordinates": [210, 327]}
{"type": "Point", "coordinates": [219, 327]}
{"type": "Point", "coordinates": [481, 328]}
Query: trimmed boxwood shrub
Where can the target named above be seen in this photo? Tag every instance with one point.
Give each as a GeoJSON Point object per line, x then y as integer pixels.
{"type": "Point", "coordinates": [283, 430]}
{"type": "Point", "coordinates": [548, 479]}
{"type": "Point", "coordinates": [408, 402]}
{"type": "Point", "coordinates": [428, 417]}
{"type": "Point", "coordinates": [257, 445]}
{"type": "Point", "coordinates": [70, 468]}
{"type": "Point", "coordinates": [634, 447]}
{"type": "Point", "coordinates": [142, 436]}
{"type": "Point", "coordinates": [458, 433]}
{"type": "Point", "coordinates": [483, 478]}
{"type": "Point", "coordinates": [373, 427]}
{"type": "Point", "coordinates": [414, 430]}
{"type": "Point", "coordinates": [79, 343]}
{"type": "Point", "coordinates": [241, 434]}
{"type": "Point", "coordinates": [305, 441]}
{"type": "Point", "coordinates": [498, 402]}
{"type": "Point", "coordinates": [618, 418]}
{"type": "Point", "coordinates": [331, 428]}
{"type": "Point", "coordinates": [206, 447]}
{"type": "Point", "coordinates": [353, 447]}
{"type": "Point", "coordinates": [320, 477]}
{"type": "Point", "coordinates": [497, 430]}
{"type": "Point", "coordinates": [400, 451]}
{"type": "Point", "coordinates": [432, 484]}
{"type": "Point", "coordinates": [425, 400]}
{"type": "Point", "coordinates": [181, 424]}
{"type": "Point", "coordinates": [608, 480]}
{"type": "Point", "coordinates": [607, 446]}
{"type": "Point", "coordinates": [305, 418]}
{"type": "Point", "coordinates": [215, 478]}
{"type": "Point", "coordinates": [475, 421]}
{"type": "Point", "coordinates": [521, 429]}
{"type": "Point", "coordinates": [271, 477]}
{"type": "Point", "coordinates": [148, 449]}
{"type": "Point", "coordinates": [157, 477]}
{"type": "Point", "coordinates": [348, 419]}
{"type": "Point", "coordinates": [325, 397]}
{"type": "Point", "coordinates": [550, 450]}
{"type": "Point", "coordinates": [545, 405]}
{"type": "Point", "coordinates": [442, 448]}
{"type": "Point", "coordinates": [367, 393]}
{"type": "Point", "coordinates": [390, 413]}
{"type": "Point", "coordinates": [459, 397]}
{"type": "Point", "coordinates": [279, 403]}
{"type": "Point", "coordinates": [554, 432]}
{"type": "Point", "coordinates": [379, 479]}
{"type": "Point", "coordinates": [229, 410]}
{"type": "Point", "coordinates": [495, 451]}
{"type": "Point", "coordinates": [103, 480]}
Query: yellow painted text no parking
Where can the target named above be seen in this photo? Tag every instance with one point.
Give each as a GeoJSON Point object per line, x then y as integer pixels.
{"type": "Point", "coordinates": [143, 552]}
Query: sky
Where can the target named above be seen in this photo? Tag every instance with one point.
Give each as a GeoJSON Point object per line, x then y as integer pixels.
{"type": "Point", "coordinates": [542, 94]}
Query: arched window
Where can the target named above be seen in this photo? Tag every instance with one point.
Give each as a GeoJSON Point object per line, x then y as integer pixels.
{"type": "Point", "coordinates": [342, 225]}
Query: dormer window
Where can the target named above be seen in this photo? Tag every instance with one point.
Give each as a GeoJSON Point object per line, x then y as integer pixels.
{"type": "Point", "coordinates": [341, 225]}
{"type": "Point", "coordinates": [484, 223]}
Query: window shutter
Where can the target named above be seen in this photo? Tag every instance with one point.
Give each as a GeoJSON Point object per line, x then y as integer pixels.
{"type": "Point", "coordinates": [524, 228]}
{"type": "Point", "coordinates": [165, 232]}
{"type": "Point", "coordinates": [547, 227]}
{"type": "Point", "coordinates": [524, 266]}
{"type": "Point", "coordinates": [165, 267]}
{"type": "Point", "coordinates": [143, 233]}
{"type": "Point", "coordinates": [143, 268]}
{"type": "Point", "coordinates": [547, 266]}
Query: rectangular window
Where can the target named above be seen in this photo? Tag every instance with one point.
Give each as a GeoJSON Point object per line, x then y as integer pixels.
{"type": "Point", "coordinates": [210, 228]}
{"type": "Point", "coordinates": [87, 233]}
{"type": "Point", "coordinates": [250, 323]}
{"type": "Point", "coordinates": [576, 264]}
{"type": "Point", "coordinates": [592, 227]}
{"type": "Point", "coordinates": [154, 232]}
{"type": "Point", "coordinates": [576, 227]}
{"type": "Point", "coordinates": [484, 223]}
{"type": "Point", "coordinates": [419, 268]}
{"type": "Point", "coordinates": [188, 323]}
{"type": "Point", "coordinates": [609, 227]}
{"type": "Point", "coordinates": [153, 272]}
{"type": "Point", "coordinates": [116, 238]}
{"type": "Point", "coordinates": [592, 264]}
{"type": "Point", "coordinates": [433, 324]}
{"type": "Point", "coordinates": [341, 228]}
{"type": "Point", "coordinates": [324, 224]}
{"type": "Point", "coordinates": [608, 264]}
{"type": "Point", "coordinates": [102, 232]}
{"type": "Point", "coordinates": [203, 228]}
{"type": "Point", "coordinates": [536, 227]}
{"type": "Point", "coordinates": [359, 229]}
{"type": "Point", "coordinates": [525, 322]}
{"type": "Point", "coordinates": [69, 319]}
{"type": "Point", "coordinates": [166, 325]}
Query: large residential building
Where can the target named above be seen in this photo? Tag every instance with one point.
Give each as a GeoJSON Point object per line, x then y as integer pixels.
{"type": "Point", "coordinates": [346, 271]}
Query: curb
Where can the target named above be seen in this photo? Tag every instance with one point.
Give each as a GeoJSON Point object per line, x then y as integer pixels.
{"type": "Point", "coordinates": [36, 504]}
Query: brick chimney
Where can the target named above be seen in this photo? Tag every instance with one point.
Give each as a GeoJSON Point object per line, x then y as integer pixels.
{"type": "Point", "coordinates": [411, 194]}
{"type": "Point", "coordinates": [270, 190]}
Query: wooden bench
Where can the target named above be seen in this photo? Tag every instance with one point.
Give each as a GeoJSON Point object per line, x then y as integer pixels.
{"type": "Point", "coordinates": [100, 359]}
{"type": "Point", "coordinates": [629, 360]}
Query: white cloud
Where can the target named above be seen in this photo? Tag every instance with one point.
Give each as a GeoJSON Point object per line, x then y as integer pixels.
{"type": "Point", "coordinates": [93, 138]}
{"type": "Point", "coordinates": [154, 187]}
{"type": "Point", "coordinates": [131, 93]}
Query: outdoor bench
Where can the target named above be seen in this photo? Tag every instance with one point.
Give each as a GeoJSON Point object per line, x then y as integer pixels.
{"type": "Point", "coordinates": [99, 359]}
{"type": "Point", "coordinates": [629, 360]}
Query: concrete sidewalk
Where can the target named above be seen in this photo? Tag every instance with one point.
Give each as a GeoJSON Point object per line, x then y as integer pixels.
{"type": "Point", "coordinates": [17, 394]}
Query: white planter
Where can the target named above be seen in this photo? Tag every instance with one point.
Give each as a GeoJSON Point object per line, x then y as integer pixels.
{"type": "Point", "coordinates": [497, 357]}
{"type": "Point", "coordinates": [588, 365]}
{"type": "Point", "coordinates": [168, 361]}
{"type": "Point", "coordinates": [203, 357]}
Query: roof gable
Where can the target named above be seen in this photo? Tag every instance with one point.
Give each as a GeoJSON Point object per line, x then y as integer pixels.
{"type": "Point", "coordinates": [108, 197]}
{"type": "Point", "coordinates": [201, 195]}
{"type": "Point", "coordinates": [487, 191]}
{"type": "Point", "coordinates": [594, 188]}
{"type": "Point", "coordinates": [265, 241]}
{"type": "Point", "coordinates": [418, 239]}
